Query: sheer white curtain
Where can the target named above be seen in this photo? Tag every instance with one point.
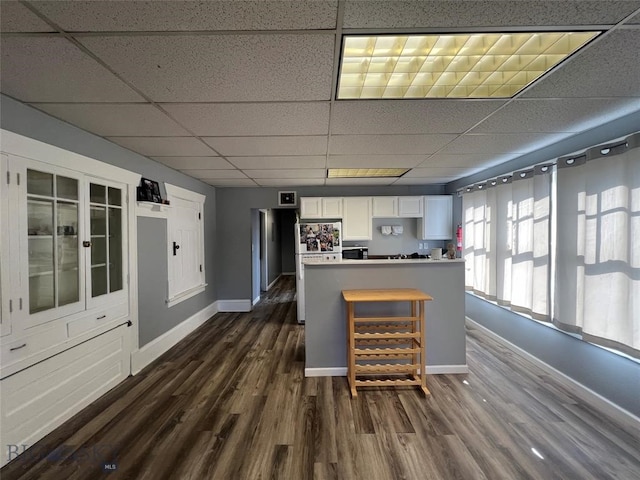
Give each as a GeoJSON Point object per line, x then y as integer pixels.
{"type": "Point", "coordinates": [507, 240]}
{"type": "Point", "coordinates": [598, 245]}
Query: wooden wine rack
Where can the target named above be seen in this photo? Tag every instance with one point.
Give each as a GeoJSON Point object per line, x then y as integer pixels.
{"type": "Point", "coordinates": [392, 347]}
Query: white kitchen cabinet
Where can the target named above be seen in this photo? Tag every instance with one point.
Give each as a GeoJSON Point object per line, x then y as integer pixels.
{"type": "Point", "coordinates": [385, 207]}
{"type": "Point", "coordinates": [357, 218]}
{"type": "Point", "coordinates": [311, 207]}
{"type": "Point", "coordinates": [331, 207]}
{"type": "Point", "coordinates": [437, 223]}
{"type": "Point", "coordinates": [321, 207]}
{"type": "Point", "coordinates": [411, 207]}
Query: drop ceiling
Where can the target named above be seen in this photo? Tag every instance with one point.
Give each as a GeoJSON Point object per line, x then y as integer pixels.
{"type": "Point", "coordinates": [242, 93]}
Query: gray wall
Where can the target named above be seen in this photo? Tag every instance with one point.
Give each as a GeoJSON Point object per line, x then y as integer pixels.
{"type": "Point", "coordinates": [287, 221]}
{"type": "Point", "coordinates": [24, 120]}
{"type": "Point", "coordinates": [274, 256]}
{"type": "Point", "coordinates": [234, 215]}
{"type": "Point", "coordinates": [608, 374]}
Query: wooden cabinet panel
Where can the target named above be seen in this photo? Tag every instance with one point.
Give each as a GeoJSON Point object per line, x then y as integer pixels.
{"type": "Point", "coordinates": [385, 207]}
{"type": "Point", "coordinates": [411, 207]}
{"type": "Point", "coordinates": [437, 223]}
{"type": "Point", "coordinates": [356, 218]}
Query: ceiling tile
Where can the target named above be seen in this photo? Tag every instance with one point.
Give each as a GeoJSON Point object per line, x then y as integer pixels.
{"type": "Point", "coordinates": [164, 146]}
{"type": "Point", "coordinates": [238, 119]}
{"type": "Point", "coordinates": [30, 75]}
{"type": "Point", "coordinates": [455, 172]}
{"type": "Point", "coordinates": [177, 15]}
{"type": "Point", "coordinates": [424, 181]}
{"type": "Point", "coordinates": [256, 163]}
{"type": "Point", "coordinates": [235, 68]}
{"type": "Point", "coordinates": [409, 116]}
{"type": "Point", "coordinates": [388, 144]}
{"type": "Point", "coordinates": [230, 182]}
{"type": "Point", "coordinates": [289, 173]}
{"type": "Point", "coordinates": [487, 13]}
{"type": "Point", "coordinates": [290, 182]}
{"type": "Point", "coordinates": [501, 143]}
{"type": "Point", "coordinates": [15, 17]}
{"type": "Point", "coordinates": [266, 146]}
{"type": "Point", "coordinates": [115, 119]}
{"type": "Point", "coordinates": [194, 163]}
{"type": "Point", "coordinates": [603, 69]}
{"type": "Point", "coordinates": [209, 174]}
{"type": "Point", "coordinates": [557, 115]}
{"type": "Point", "coordinates": [466, 160]}
{"type": "Point", "coordinates": [374, 161]}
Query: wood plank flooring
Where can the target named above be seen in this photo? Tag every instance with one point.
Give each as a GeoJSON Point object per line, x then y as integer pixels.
{"type": "Point", "coordinates": [231, 402]}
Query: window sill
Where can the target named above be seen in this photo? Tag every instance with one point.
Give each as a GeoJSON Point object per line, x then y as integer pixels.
{"type": "Point", "coordinates": [185, 295]}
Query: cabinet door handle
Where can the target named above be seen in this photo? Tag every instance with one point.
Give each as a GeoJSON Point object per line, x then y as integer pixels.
{"type": "Point", "coordinates": [18, 348]}
{"type": "Point", "coordinates": [101, 317]}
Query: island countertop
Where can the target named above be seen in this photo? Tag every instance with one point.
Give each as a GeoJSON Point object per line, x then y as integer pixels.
{"type": "Point", "coordinates": [385, 261]}
{"type": "Point", "coordinates": [325, 309]}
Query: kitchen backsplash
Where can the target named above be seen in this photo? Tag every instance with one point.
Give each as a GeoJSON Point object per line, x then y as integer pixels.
{"type": "Point", "coordinates": [406, 243]}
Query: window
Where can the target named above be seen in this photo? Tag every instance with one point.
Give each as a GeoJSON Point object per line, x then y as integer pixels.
{"type": "Point", "coordinates": [185, 237]}
{"type": "Point", "coordinates": [575, 239]}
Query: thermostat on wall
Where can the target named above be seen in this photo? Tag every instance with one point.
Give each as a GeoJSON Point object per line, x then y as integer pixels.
{"type": "Point", "coordinates": [287, 199]}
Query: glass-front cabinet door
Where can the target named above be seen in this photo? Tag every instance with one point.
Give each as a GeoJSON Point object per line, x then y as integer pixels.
{"type": "Point", "coordinates": [107, 234]}
{"type": "Point", "coordinates": [52, 198]}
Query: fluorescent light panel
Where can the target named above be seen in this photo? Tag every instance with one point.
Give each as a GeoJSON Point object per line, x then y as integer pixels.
{"type": "Point", "coordinates": [365, 172]}
{"type": "Point", "coordinates": [474, 65]}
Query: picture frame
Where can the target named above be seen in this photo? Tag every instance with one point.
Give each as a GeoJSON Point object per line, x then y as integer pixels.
{"type": "Point", "coordinates": [149, 191]}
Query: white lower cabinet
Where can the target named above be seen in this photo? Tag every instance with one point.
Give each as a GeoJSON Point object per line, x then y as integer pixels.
{"type": "Point", "coordinates": [437, 223]}
{"type": "Point", "coordinates": [357, 221]}
{"type": "Point", "coordinates": [40, 398]}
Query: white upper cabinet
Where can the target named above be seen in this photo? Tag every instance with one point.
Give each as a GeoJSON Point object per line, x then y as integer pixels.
{"type": "Point", "coordinates": [331, 207]}
{"type": "Point", "coordinates": [321, 207]}
{"type": "Point", "coordinates": [385, 207]}
{"type": "Point", "coordinates": [411, 207]}
{"type": "Point", "coordinates": [311, 207]}
{"type": "Point", "coordinates": [357, 218]}
{"type": "Point", "coordinates": [437, 223]}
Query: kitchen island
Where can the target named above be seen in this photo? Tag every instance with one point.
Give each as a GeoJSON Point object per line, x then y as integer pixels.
{"type": "Point", "coordinates": [325, 327]}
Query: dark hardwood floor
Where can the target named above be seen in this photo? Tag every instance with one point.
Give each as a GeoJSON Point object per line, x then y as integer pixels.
{"type": "Point", "coordinates": [231, 402]}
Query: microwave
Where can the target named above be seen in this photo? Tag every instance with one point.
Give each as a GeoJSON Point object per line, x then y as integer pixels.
{"type": "Point", "coordinates": [355, 253]}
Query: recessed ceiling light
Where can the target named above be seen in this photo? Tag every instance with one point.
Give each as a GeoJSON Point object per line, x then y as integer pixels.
{"type": "Point", "coordinates": [471, 65]}
{"type": "Point", "coordinates": [365, 172]}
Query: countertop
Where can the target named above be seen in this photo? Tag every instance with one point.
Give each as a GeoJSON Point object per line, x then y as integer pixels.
{"type": "Point", "coordinates": [392, 261]}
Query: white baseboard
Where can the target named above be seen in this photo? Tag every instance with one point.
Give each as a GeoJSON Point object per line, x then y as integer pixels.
{"type": "Point", "coordinates": [152, 350]}
{"type": "Point", "coordinates": [234, 305]}
{"type": "Point", "coordinates": [342, 371]}
{"type": "Point", "coordinates": [288, 273]}
{"type": "Point", "coordinates": [446, 369]}
{"type": "Point", "coordinates": [326, 372]}
{"type": "Point", "coordinates": [578, 389]}
{"type": "Point", "coordinates": [256, 300]}
{"type": "Point", "coordinates": [273, 283]}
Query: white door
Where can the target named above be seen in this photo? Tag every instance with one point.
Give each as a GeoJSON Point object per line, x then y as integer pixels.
{"type": "Point", "coordinates": [184, 245]}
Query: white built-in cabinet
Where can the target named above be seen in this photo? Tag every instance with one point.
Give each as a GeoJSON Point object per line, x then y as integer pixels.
{"type": "Point", "coordinates": [437, 223]}
{"type": "Point", "coordinates": [321, 207]}
{"type": "Point", "coordinates": [357, 218]}
{"type": "Point", "coordinates": [65, 283]}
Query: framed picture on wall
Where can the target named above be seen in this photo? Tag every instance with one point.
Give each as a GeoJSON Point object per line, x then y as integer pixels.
{"type": "Point", "coordinates": [149, 191]}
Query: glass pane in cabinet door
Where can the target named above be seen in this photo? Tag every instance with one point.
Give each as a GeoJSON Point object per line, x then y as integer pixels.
{"type": "Point", "coordinates": [66, 187]}
{"type": "Point", "coordinates": [39, 217]}
{"type": "Point", "coordinates": [115, 196]}
{"type": "Point", "coordinates": [98, 193]}
{"type": "Point", "coordinates": [98, 280]}
{"type": "Point", "coordinates": [41, 292]}
{"type": "Point", "coordinates": [39, 183]}
{"type": "Point", "coordinates": [68, 255]}
{"type": "Point", "coordinates": [115, 249]}
{"type": "Point", "coordinates": [98, 250]}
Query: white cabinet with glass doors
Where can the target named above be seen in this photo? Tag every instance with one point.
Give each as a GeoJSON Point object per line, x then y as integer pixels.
{"type": "Point", "coordinates": [63, 251]}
